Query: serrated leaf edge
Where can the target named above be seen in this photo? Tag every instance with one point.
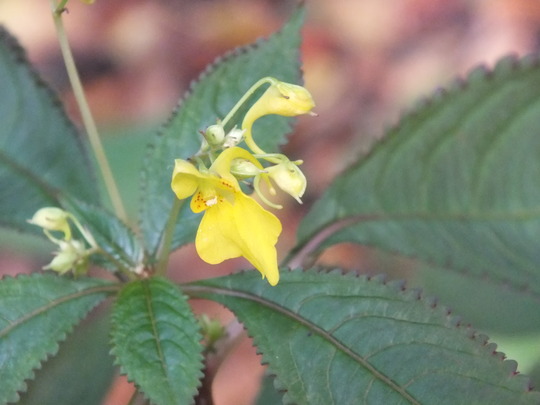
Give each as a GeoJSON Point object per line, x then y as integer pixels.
{"type": "Point", "coordinates": [20, 58]}
{"type": "Point", "coordinates": [124, 373]}
{"type": "Point", "coordinates": [23, 386]}
{"type": "Point", "coordinates": [399, 286]}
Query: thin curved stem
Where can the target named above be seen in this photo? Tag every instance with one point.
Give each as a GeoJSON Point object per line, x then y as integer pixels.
{"type": "Point", "coordinates": [166, 242]}
{"type": "Point", "coordinates": [245, 97]}
{"type": "Point", "coordinates": [87, 118]}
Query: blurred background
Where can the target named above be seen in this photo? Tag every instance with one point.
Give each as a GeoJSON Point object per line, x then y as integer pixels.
{"type": "Point", "coordinates": [366, 62]}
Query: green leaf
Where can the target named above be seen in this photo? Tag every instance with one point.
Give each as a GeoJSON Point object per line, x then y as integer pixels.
{"type": "Point", "coordinates": [342, 339]}
{"type": "Point", "coordinates": [268, 395]}
{"type": "Point", "coordinates": [36, 312]}
{"type": "Point", "coordinates": [82, 371]}
{"type": "Point", "coordinates": [456, 184]}
{"type": "Point", "coordinates": [115, 238]}
{"type": "Point", "coordinates": [210, 98]}
{"type": "Point", "coordinates": [488, 305]}
{"type": "Point", "coordinates": [156, 341]}
{"type": "Point", "coordinates": [41, 154]}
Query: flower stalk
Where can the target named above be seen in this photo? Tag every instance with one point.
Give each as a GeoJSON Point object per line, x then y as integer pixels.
{"type": "Point", "coordinates": [86, 115]}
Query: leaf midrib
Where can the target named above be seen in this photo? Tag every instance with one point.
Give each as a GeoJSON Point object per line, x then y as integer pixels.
{"type": "Point", "coordinates": [194, 291]}
{"type": "Point", "coordinates": [24, 172]}
{"type": "Point", "coordinates": [56, 302]}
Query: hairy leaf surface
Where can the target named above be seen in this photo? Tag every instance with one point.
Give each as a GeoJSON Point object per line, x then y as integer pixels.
{"type": "Point", "coordinates": [209, 99]}
{"type": "Point", "coordinates": [156, 341]}
{"type": "Point", "coordinates": [456, 183]}
{"type": "Point", "coordinates": [41, 154]}
{"type": "Point", "coordinates": [36, 312]}
{"type": "Point", "coordinates": [342, 339]}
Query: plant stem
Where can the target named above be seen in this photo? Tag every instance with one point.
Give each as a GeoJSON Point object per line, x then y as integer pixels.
{"type": "Point", "coordinates": [87, 118]}
{"type": "Point", "coordinates": [245, 97]}
{"type": "Point", "coordinates": [165, 247]}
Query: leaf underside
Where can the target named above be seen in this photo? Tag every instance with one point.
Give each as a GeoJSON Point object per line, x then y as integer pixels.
{"type": "Point", "coordinates": [211, 98]}
{"type": "Point", "coordinates": [36, 312]}
{"type": "Point", "coordinates": [455, 184]}
{"type": "Point", "coordinates": [156, 339]}
{"type": "Point", "coordinates": [41, 154]}
{"type": "Point", "coordinates": [340, 339]}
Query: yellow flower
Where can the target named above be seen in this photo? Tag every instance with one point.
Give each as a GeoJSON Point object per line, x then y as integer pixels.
{"type": "Point", "coordinates": [233, 224]}
{"type": "Point", "coordinates": [280, 98]}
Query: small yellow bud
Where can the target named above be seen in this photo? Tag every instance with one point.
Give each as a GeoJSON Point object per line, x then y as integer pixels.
{"type": "Point", "coordinates": [52, 219]}
{"type": "Point", "coordinates": [289, 178]}
{"type": "Point", "coordinates": [282, 99]}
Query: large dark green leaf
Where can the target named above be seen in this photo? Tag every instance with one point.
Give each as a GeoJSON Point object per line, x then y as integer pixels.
{"type": "Point", "coordinates": [81, 372]}
{"type": "Point", "coordinates": [487, 304]}
{"type": "Point", "coordinates": [210, 98]}
{"type": "Point", "coordinates": [457, 183]}
{"type": "Point", "coordinates": [40, 152]}
{"type": "Point", "coordinates": [343, 339]}
{"type": "Point", "coordinates": [36, 312]}
{"type": "Point", "coordinates": [156, 341]}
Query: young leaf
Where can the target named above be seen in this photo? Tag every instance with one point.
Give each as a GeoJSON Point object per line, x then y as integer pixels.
{"type": "Point", "coordinates": [455, 184]}
{"type": "Point", "coordinates": [209, 99]}
{"type": "Point", "coordinates": [36, 312]}
{"type": "Point", "coordinates": [341, 339]}
{"type": "Point", "coordinates": [41, 155]}
{"type": "Point", "coordinates": [114, 237]}
{"type": "Point", "coordinates": [156, 341]}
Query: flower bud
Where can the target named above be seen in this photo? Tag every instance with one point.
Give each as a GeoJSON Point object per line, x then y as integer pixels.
{"type": "Point", "coordinates": [282, 99]}
{"type": "Point", "coordinates": [214, 135]}
{"type": "Point", "coordinates": [243, 169]}
{"type": "Point", "coordinates": [52, 219]}
{"type": "Point", "coordinates": [72, 255]}
{"type": "Point", "coordinates": [288, 178]}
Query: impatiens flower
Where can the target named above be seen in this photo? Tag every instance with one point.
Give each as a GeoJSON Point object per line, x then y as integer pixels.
{"type": "Point", "coordinates": [52, 219]}
{"type": "Point", "coordinates": [289, 178]}
{"type": "Point", "coordinates": [233, 224]}
{"type": "Point", "coordinates": [280, 98]}
{"type": "Point", "coordinates": [72, 254]}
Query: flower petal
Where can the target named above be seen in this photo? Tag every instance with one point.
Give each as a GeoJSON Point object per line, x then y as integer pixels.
{"type": "Point", "coordinates": [240, 229]}
{"type": "Point", "coordinates": [185, 178]}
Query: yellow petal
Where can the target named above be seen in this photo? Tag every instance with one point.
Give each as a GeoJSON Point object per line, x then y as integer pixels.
{"type": "Point", "coordinates": [240, 229]}
{"type": "Point", "coordinates": [185, 179]}
{"type": "Point", "coordinates": [223, 163]}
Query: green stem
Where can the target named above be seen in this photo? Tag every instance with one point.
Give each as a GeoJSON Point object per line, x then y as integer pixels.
{"type": "Point", "coordinates": [245, 97]}
{"type": "Point", "coordinates": [165, 247]}
{"type": "Point", "coordinates": [87, 118]}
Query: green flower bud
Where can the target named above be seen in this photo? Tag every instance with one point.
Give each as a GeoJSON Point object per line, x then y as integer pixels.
{"type": "Point", "coordinates": [214, 135]}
